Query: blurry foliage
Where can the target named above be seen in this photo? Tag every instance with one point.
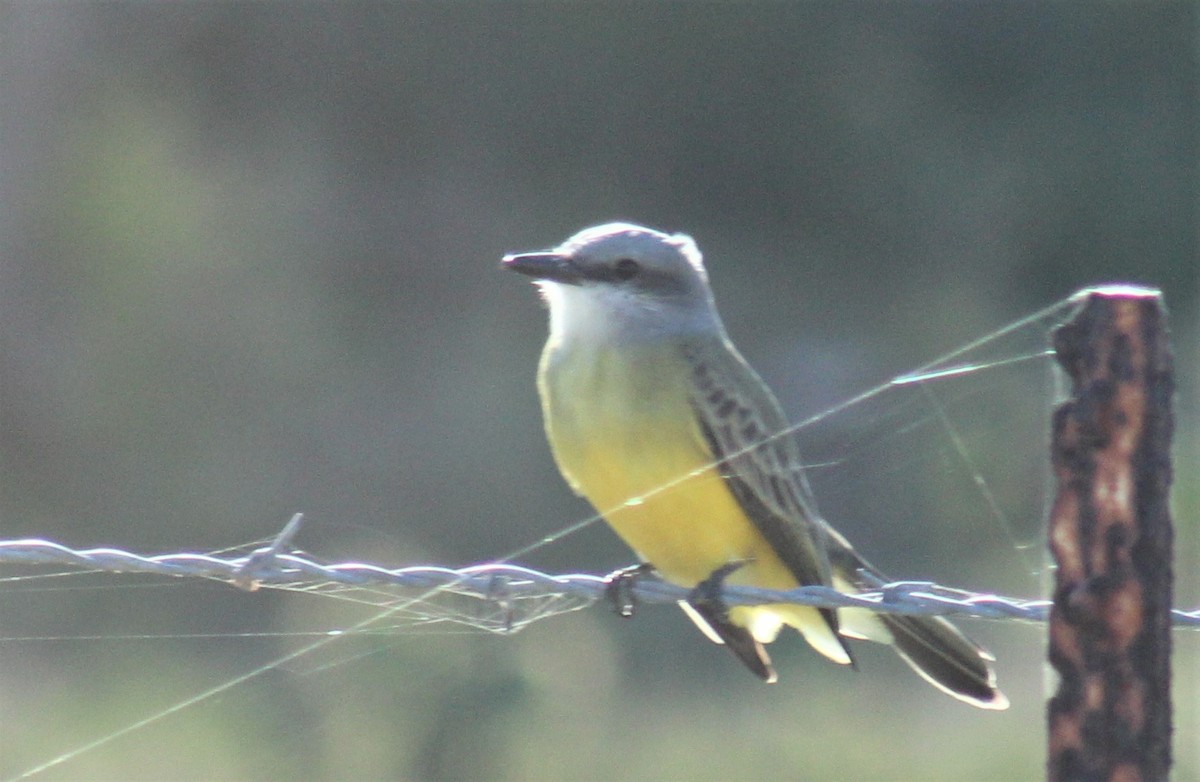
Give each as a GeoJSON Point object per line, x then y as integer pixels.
{"type": "Point", "coordinates": [248, 267]}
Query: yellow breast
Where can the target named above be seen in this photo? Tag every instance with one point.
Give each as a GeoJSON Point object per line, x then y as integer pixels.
{"type": "Point", "coordinates": [625, 437]}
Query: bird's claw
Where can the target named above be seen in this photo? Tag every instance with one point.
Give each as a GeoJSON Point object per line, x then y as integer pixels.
{"type": "Point", "coordinates": [708, 592]}
{"type": "Point", "coordinates": [619, 587]}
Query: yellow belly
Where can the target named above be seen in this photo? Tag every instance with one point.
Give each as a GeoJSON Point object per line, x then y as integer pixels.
{"type": "Point", "coordinates": [676, 511]}
{"type": "Point", "coordinates": [625, 437]}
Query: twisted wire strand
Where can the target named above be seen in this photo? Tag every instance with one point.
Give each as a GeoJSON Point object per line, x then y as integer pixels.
{"type": "Point", "coordinates": [511, 596]}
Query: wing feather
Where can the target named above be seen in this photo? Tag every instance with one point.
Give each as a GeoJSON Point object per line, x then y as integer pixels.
{"type": "Point", "coordinates": [740, 420]}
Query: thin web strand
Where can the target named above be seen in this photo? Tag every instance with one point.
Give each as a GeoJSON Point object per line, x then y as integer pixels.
{"type": "Point", "coordinates": [1024, 550]}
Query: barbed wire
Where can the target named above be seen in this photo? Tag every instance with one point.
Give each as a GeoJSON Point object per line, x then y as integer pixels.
{"type": "Point", "coordinates": [507, 597]}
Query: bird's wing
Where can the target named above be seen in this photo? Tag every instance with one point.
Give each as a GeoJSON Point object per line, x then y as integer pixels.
{"type": "Point", "coordinates": [739, 420]}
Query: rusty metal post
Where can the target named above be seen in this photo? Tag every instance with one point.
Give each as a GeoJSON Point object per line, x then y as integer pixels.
{"type": "Point", "coordinates": [1111, 537]}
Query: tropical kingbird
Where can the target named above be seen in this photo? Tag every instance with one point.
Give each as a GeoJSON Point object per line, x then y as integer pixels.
{"type": "Point", "coordinates": [656, 419]}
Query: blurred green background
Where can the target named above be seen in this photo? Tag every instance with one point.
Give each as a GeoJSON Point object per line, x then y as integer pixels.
{"type": "Point", "coordinates": [248, 266]}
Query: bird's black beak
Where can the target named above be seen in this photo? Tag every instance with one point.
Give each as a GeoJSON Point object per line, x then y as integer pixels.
{"type": "Point", "coordinates": [543, 266]}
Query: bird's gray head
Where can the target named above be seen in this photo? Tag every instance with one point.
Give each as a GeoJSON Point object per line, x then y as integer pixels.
{"type": "Point", "coordinates": [625, 275]}
{"type": "Point", "coordinates": [620, 255]}
{"type": "Point", "coordinates": [622, 281]}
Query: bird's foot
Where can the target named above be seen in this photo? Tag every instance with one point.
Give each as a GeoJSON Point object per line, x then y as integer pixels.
{"type": "Point", "coordinates": [707, 594]}
{"type": "Point", "coordinates": [619, 589]}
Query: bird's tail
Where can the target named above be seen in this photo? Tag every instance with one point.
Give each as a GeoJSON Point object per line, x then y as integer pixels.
{"type": "Point", "coordinates": [937, 650]}
{"type": "Point", "coordinates": [946, 658]}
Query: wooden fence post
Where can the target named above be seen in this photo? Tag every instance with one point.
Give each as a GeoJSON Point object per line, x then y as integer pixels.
{"type": "Point", "coordinates": [1111, 537]}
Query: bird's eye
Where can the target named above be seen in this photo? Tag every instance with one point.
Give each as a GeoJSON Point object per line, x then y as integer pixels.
{"type": "Point", "coordinates": [626, 268]}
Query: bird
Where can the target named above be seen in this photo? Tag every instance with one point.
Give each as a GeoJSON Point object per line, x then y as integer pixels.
{"type": "Point", "coordinates": [654, 417]}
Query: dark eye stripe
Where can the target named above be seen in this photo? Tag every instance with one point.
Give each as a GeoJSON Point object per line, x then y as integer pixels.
{"type": "Point", "coordinates": [626, 268]}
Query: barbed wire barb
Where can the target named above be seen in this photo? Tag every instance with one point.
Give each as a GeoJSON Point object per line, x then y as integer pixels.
{"type": "Point", "coordinates": [261, 559]}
